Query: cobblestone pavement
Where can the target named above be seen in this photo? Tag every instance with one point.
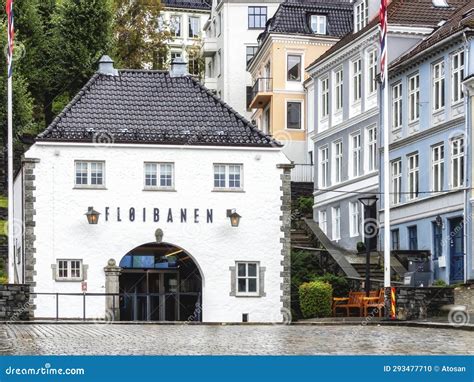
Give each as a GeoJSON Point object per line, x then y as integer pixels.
{"type": "Point", "coordinates": [90, 339]}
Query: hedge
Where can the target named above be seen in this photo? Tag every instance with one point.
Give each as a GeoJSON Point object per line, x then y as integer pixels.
{"type": "Point", "coordinates": [340, 285]}
{"type": "Point", "coordinates": [315, 299]}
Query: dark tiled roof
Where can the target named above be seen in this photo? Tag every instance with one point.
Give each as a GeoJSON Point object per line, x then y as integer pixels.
{"type": "Point", "coordinates": [415, 13]}
{"type": "Point", "coordinates": [188, 4]}
{"type": "Point", "coordinates": [151, 107]}
{"type": "Point", "coordinates": [292, 17]}
{"type": "Point", "coordinates": [462, 19]}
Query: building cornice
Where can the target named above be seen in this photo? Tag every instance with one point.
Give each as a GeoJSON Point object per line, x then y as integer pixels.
{"type": "Point", "coordinates": [288, 39]}
{"type": "Point", "coordinates": [315, 136]}
{"type": "Point", "coordinates": [425, 133]}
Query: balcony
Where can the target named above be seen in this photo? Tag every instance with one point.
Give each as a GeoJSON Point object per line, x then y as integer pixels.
{"type": "Point", "coordinates": [209, 46]}
{"type": "Point", "coordinates": [302, 173]}
{"type": "Point", "coordinates": [261, 94]}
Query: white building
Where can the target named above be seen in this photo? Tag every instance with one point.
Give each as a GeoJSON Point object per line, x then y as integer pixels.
{"type": "Point", "coordinates": [230, 42]}
{"type": "Point", "coordinates": [164, 162]}
{"type": "Point", "coordinates": [185, 19]}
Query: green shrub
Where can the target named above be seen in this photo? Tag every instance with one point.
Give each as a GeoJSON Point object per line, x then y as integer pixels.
{"type": "Point", "coordinates": [440, 283]}
{"type": "Point", "coordinates": [305, 205]}
{"type": "Point", "coordinates": [315, 299]}
{"type": "Point", "coordinates": [340, 285]}
{"type": "Point", "coordinates": [3, 280]}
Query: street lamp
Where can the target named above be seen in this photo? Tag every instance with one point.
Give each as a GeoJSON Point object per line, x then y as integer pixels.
{"type": "Point", "coordinates": [92, 216]}
{"type": "Point", "coordinates": [370, 231]}
{"type": "Point", "coordinates": [234, 217]}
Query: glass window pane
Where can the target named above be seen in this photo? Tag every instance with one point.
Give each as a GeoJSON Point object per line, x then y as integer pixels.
{"type": "Point", "coordinates": [252, 285]}
{"type": "Point", "coordinates": [294, 68]}
{"type": "Point", "coordinates": [252, 269]}
{"type": "Point", "coordinates": [293, 115]}
{"type": "Point", "coordinates": [241, 285]}
{"type": "Point", "coordinates": [241, 270]}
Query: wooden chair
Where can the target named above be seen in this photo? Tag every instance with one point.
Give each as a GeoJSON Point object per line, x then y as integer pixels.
{"type": "Point", "coordinates": [375, 302]}
{"type": "Point", "coordinates": [354, 301]}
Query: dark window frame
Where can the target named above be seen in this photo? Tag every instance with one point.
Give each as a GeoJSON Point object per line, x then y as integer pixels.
{"type": "Point", "coordinates": [248, 56]}
{"type": "Point", "coordinates": [300, 104]}
{"type": "Point", "coordinates": [254, 16]}
{"type": "Point", "coordinates": [395, 244]}
{"type": "Point", "coordinates": [298, 79]}
{"type": "Point", "coordinates": [413, 238]}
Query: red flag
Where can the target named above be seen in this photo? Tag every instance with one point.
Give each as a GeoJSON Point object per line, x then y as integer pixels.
{"type": "Point", "coordinates": [11, 35]}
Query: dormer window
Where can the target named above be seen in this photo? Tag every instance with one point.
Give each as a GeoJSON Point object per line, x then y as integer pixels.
{"type": "Point", "coordinates": [318, 24]}
{"type": "Point", "coordinates": [361, 14]}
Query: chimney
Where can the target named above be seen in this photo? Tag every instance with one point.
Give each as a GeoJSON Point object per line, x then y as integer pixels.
{"type": "Point", "coordinates": [179, 68]}
{"type": "Point", "coordinates": [106, 66]}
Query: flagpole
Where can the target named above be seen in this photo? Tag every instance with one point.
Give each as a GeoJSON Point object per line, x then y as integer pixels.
{"type": "Point", "coordinates": [10, 172]}
{"type": "Point", "coordinates": [383, 18]}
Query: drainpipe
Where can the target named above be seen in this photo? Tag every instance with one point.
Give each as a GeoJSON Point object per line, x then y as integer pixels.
{"type": "Point", "coordinates": [467, 161]}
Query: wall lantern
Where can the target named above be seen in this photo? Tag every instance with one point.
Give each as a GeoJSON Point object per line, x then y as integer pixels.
{"type": "Point", "coordinates": [92, 216]}
{"type": "Point", "coordinates": [439, 221]}
{"type": "Point", "coordinates": [234, 217]}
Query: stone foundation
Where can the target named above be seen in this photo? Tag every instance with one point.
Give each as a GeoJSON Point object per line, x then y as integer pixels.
{"type": "Point", "coordinates": [422, 303]}
{"type": "Point", "coordinates": [14, 302]}
{"type": "Point", "coordinates": [465, 296]}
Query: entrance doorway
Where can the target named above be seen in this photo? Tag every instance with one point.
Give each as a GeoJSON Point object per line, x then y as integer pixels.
{"type": "Point", "coordinates": [159, 282]}
{"type": "Point", "coordinates": [456, 264]}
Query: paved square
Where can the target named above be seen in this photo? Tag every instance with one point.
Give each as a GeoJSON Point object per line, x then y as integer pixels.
{"type": "Point", "coordinates": [123, 339]}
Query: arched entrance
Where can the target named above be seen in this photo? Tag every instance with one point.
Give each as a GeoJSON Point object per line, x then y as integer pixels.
{"type": "Point", "coordinates": [160, 282]}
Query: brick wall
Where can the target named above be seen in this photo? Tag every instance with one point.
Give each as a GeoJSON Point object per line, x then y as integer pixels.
{"type": "Point", "coordinates": [14, 302]}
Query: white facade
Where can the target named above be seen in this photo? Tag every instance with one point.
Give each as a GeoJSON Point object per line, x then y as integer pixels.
{"type": "Point", "coordinates": [62, 232]}
{"type": "Point", "coordinates": [227, 38]}
{"type": "Point", "coordinates": [184, 42]}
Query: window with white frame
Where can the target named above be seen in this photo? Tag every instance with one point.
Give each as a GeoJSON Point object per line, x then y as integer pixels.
{"type": "Point", "coordinates": [457, 162]}
{"type": "Point", "coordinates": [361, 15]}
{"type": "Point", "coordinates": [159, 175]}
{"type": "Point", "coordinates": [318, 24]}
{"type": "Point", "coordinates": [338, 85]}
{"type": "Point", "coordinates": [372, 148]}
{"type": "Point", "coordinates": [324, 167]}
{"type": "Point", "coordinates": [336, 223]}
{"type": "Point", "coordinates": [175, 25]}
{"type": "Point", "coordinates": [438, 86]}
{"type": "Point", "coordinates": [457, 76]}
{"type": "Point", "coordinates": [372, 69]}
{"type": "Point", "coordinates": [396, 181]}
{"type": "Point", "coordinates": [194, 26]}
{"type": "Point", "coordinates": [354, 219]}
{"type": "Point", "coordinates": [247, 278]}
{"type": "Point", "coordinates": [69, 270]}
{"type": "Point", "coordinates": [437, 168]}
{"type": "Point", "coordinates": [356, 168]}
{"type": "Point", "coordinates": [89, 174]}
{"type": "Point", "coordinates": [323, 221]}
{"type": "Point", "coordinates": [337, 160]}
{"type": "Point", "coordinates": [397, 112]}
{"type": "Point", "coordinates": [356, 80]}
{"type": "Point", "coordinates": [414, 98]}
{"type": "Point", "coordinates": [228, 176]}
{"type": "Point", "coordinates": [325, 97]}
{"type": "Point", "coordinates": [413, 176]}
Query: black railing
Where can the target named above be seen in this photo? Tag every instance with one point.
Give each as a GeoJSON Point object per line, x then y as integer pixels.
{"type": "Point", "coordinates": [112, 313]}
{"type": "Point", "coordinates": [262, 85]}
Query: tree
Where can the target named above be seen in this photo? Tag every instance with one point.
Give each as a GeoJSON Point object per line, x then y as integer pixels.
{"type": "Point", "coordinates": [84, 34]}
{"type": "Point", "coordinates": [140, 34]}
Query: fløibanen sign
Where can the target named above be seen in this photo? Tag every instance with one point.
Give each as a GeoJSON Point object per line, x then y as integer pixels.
{"type": "Point", "coordinates": [168, 215]}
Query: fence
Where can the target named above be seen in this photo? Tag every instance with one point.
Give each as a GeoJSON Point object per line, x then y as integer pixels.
{"type": "Point", "coordinates": [302, 173]}
{"type": "Point", "coordinates": [117, 300]}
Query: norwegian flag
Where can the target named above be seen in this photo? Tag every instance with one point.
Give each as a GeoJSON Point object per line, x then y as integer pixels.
{"type": "Point", "coordinates": [11, 35]}
{"type": "Point", "coordinates": [383, 39]}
